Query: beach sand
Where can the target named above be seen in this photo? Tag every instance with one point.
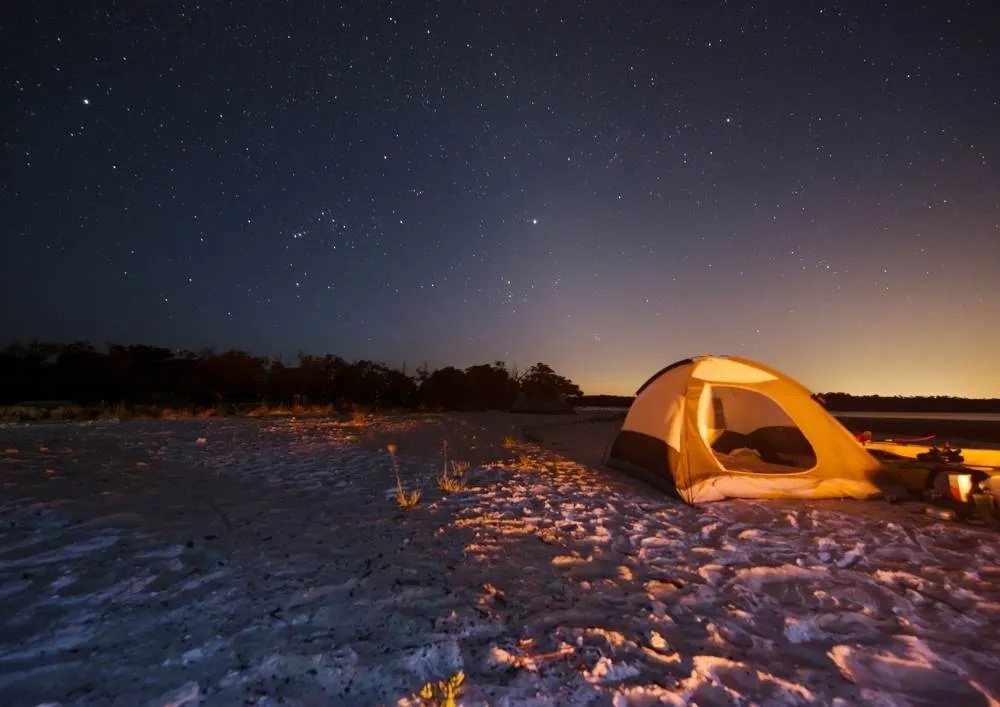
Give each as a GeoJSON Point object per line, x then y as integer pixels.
{"type": "Point", "coordinates": [265, 562]}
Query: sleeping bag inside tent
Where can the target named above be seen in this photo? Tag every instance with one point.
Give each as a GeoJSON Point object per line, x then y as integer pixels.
{"type": "Point", "coordinates": [715, 427]}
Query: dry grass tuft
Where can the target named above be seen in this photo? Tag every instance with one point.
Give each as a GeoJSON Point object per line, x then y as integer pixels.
{"type": "Point", "coordinates": [121, 411]}
{"type": "Point", "coordinates": [451, 484]}
{"type": "Point", "coordinates": [22, 413]}
{"type": "Point", "coordinates": [509, 442]}
{"type": "Point", "coordinates": [358, 418]}
{"type": "Point", "coordinates": [403, 499]}
{"type": "Point", "coordinates": [118, 412]}
{"type": "Point", "coordinates": [180, 414]}
{"type": "Point", "coordinates": [454, 482]}
{"type": "Point", "coordinates": [295, 410]}
{"type": "Point", "coordinates": [444, 692]}
{"type": "Point", "coordinates": [66, 412]}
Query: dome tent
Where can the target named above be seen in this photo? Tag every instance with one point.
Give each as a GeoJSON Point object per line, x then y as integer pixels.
{"type": "Point", "coordinates": [715, 427]}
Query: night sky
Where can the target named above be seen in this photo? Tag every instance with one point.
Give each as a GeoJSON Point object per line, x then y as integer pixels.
{"type": "Point", "coordinates": [602, 186]}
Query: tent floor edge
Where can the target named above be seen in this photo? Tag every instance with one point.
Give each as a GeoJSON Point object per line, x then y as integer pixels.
{"type": "Point", "coordinates": [657, 481]}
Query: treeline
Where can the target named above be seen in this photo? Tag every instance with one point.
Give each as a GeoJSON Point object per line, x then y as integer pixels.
{"type": "Point", "coordinates": [604, 401]}
{"type": "Point", "coordinates": [148, 375]}
{"type": "Point", "coordinates": [845, 402]}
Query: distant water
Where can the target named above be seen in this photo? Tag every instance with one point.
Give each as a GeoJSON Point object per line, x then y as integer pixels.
{"type": "Point", "coordinates": [960, 416]}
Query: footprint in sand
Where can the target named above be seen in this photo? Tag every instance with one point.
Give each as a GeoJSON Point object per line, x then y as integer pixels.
{"type": "Point", "coordinates": [910, 669]}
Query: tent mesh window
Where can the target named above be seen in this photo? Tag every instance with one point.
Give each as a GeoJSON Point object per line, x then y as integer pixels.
{"type": "Point", "coordinates": [751, 432]}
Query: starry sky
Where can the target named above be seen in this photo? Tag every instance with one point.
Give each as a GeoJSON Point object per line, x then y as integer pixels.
{"type": "Point", "coordinates": [603, 186]}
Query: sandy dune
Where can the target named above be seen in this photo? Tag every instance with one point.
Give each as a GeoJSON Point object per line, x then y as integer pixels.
{"type": "Point", "coordinates": [231, 562]}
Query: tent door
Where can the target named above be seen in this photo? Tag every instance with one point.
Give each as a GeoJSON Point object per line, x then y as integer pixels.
{"type": "Point", "coordinates": [748, 431]}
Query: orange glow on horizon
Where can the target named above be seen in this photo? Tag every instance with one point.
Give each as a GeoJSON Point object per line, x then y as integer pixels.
{"type": "Point", "coordinates": [972, 378]}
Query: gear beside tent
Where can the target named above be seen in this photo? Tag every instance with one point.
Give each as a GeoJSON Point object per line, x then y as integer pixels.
{"type": "Point", "coordinates": [715, 427]}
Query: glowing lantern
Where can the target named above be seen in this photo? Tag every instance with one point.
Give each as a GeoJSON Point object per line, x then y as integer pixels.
{"type": "Point", "coordinates": [960, 486]}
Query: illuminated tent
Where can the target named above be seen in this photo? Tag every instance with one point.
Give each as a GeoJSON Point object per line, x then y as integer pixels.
{"type": "Point", "coordinates": [714, 427]}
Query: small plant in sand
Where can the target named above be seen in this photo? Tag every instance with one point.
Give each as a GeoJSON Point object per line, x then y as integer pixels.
{"type": "Point", "coordinates": [451, 484]}
{"type": "Point", "coordinates": [443, 693]}
{"type": "Point", "coordinates": [403, 499]}
{"type": "Point", "coordinates": [118, 412]}
{"type": "Point", "coordinates": [509, 442]}
{"type": "Point", "coordinates": [178, 414]}
{"type": "Point", "coordinates": [454, 482]}
{"type": "Point", "coordinates": [524, 460]}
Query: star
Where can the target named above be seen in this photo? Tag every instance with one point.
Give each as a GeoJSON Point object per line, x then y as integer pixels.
{"type": "Point", "coordinates": [684, 187]}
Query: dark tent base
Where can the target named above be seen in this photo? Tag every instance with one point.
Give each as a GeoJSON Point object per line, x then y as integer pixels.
{"type": "Point", "coordinates": [644, 457]}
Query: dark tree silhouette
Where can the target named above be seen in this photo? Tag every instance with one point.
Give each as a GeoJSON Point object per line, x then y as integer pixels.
{"type": "Point", "coordinates": [845, 402]}
{"type": "Point", "coordinates": [137, 375]}
{"type": "Point", "coordinates": [446, 388]}
{"type": "Point", "coordinates": [540, 380]}
{"type": "Point", "coordinates": [491, 386]}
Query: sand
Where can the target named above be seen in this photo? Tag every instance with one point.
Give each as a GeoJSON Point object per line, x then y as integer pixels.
{"type": "Point", "coordinates": [264, 562]}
